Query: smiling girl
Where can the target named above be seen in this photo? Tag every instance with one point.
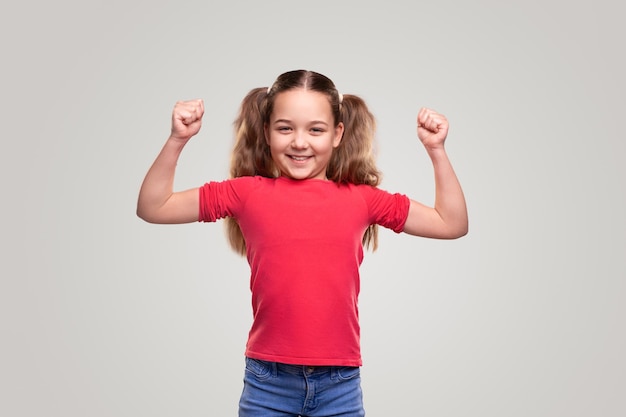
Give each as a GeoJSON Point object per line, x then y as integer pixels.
{"type": "Point", "coordinates": [301, 204]}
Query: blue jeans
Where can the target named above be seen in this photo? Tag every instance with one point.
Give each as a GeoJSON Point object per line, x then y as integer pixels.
{"type": "Point", "coordinates": [278, 390]}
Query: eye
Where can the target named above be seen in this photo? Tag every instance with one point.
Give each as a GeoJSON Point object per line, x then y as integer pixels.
{"type": "Point", "coordinates": [283, 128]}
{"type": "Point", "coordinates": [317, 130]}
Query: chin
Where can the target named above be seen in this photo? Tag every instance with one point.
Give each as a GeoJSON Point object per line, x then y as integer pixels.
{"type": "Point", "coordinates": [299, 176]}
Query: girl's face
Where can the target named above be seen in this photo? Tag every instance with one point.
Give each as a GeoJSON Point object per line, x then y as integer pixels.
{"type": "Point", "coordinates": [301, 134]}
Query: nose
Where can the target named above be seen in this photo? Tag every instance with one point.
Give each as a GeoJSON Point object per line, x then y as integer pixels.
{"type": "Point", "coordinates": [299, 141]}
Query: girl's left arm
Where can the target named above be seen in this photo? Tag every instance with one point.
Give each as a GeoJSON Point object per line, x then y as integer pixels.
{"type": "Point", "coordinates": [448, 218]}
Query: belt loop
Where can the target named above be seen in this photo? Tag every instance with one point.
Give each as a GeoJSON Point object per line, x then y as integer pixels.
{"type": "Point", "coordinates": [274, 369]}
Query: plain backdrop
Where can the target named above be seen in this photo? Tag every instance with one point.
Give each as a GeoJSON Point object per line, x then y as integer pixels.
{"type": "Point", "coordinates": [103, 315]}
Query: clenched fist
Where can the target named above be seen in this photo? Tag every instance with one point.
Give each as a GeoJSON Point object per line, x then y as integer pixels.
{"type": "Point", "coordinates": [187, 119]}
{"type": "Point", "coordinates": [432, 128]}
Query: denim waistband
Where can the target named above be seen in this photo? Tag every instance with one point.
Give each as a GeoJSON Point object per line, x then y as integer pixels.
{"type": "Point", "coordinates": [300, 370]}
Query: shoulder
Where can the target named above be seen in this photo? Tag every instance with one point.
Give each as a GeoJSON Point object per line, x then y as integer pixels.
{"type": "Point", "coordinates": [243, 182]}
{"type": "Point", "coordinates": [366, 190]}
{"type": "Point", "coordinates": [240, 186]}
{"type": "Point", "coordinates": [377, 197]}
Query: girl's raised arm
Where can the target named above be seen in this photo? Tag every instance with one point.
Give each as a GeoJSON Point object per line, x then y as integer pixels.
{"type": "Point", "coordinates": [158, 203]}
{"type": "Point", "coordinates": [448, 218]}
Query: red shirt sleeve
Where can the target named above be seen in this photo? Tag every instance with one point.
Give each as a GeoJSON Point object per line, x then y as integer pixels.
{"type": "Point", "coordinates": [224, 199]}
{"type": "Point", "coordinates": [386, 209]}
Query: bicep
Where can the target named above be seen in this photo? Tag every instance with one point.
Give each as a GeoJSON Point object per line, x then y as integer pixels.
{"type": "Point", "coordinates": [180, 207]}
{"type": "Point", "coordinates": [425, 221]}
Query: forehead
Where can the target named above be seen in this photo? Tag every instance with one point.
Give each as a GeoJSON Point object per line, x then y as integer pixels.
{"type": "Point", "coordinates": [301, 104]}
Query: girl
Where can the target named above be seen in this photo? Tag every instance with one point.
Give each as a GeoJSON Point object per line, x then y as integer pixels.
{"type": "Point", "coordinates": [301, 205]}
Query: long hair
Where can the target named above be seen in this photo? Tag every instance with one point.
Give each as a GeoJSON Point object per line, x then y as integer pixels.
{"type": "Point", "coordinates": [353, 161]}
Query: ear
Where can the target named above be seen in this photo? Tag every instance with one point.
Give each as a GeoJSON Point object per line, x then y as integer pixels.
{"type": "Point", "coordinates": [338, 134]}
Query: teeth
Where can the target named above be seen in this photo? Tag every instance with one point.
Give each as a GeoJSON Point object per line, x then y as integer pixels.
{"type": "Point", "coordinates": [299, 158]}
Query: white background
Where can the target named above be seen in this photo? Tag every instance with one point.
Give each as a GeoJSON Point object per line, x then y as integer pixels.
{"type": "Point", "coordinates": [102, 314]}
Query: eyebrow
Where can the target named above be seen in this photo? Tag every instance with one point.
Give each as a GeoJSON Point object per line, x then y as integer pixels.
{"type": "Point", "coordinates": [313, 122]}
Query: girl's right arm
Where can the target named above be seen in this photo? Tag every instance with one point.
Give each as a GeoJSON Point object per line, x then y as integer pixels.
{"type": "Point", "coordinates": [157, 202]}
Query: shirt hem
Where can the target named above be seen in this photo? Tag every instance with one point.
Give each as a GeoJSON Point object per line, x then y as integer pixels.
{"type": "Point", "coordinates": [288, 360]}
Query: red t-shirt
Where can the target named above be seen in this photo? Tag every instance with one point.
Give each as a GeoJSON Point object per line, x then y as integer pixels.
{"type": "Point", "coordinates": [303, 240]}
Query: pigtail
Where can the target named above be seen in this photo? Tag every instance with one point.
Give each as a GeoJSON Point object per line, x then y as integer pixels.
{"type": "Point", "coordinates": [353, 161]}
{"type": "Point", "coordinates": [251, 155]}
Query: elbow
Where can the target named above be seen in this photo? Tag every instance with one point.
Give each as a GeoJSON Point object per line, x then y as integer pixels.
{"type": "Point", "coordinates": [140, 213]}
{"type": "Point", "coordinates": [145, 215]}
{"type": "Point", "coordinates": [458, 227]}
{"type": "Point", "coordinates": [459, 231]}
{"type": "Point", "coordinates": [452, 231]}
{"type": "Point", "coordinates": [149, 212]}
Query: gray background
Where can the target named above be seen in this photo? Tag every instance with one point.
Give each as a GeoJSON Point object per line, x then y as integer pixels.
{"type": "Point", "coordinates": [102, 314]}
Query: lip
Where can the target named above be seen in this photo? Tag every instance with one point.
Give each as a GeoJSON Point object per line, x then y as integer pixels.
{"type": "Point", "coordinates": [299, 158]}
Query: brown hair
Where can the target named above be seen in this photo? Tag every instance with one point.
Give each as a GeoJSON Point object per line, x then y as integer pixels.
{"type": "Point", "coordinates": [351, 162]}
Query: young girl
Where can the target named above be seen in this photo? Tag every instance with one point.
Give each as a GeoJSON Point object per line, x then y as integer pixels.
{"type": "Point", "coordinates": [301, 205]}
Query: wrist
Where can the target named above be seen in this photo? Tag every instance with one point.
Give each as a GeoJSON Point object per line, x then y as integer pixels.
{"type": "Point", "coordinates": [176, 141]}
{"type": "Point", "coordinates": [435, 151]}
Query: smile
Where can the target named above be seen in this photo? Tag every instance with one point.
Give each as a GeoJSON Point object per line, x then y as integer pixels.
{"type": "Point", "coordinates": [298, 158]}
